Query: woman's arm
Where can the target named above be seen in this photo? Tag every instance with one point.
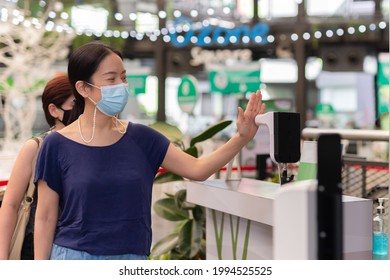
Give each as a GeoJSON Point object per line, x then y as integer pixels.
{"type": "Point", "coordinates": [14, 194]}
{"type": "Point", "coordinates": [45, 221]}
{"type": "Point", "coordinates": [202, 168]}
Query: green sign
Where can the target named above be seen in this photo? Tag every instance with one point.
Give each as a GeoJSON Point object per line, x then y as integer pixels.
{"type": "Point", "coordinates": [137, 83]}
{"type": "Point", "coordinates": [233, 81]}
{"type": "Point", "coordinates": [383, 86]}
{"type": "Point", "coordinates": [383, 72]}
{"type": "Point", "coordinates": [278, 105]}
{"type": "Point", "coordinates": [325, 108]}
{"type": "Point", "coordinates": [383, 99]}
{"type": "Point", "coordinates": [187, 93]}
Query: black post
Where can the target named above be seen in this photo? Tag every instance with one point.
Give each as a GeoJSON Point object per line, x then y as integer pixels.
{"type": "Point", "coordinates": [329, 198]}
{"type": "Point", "coordinates": [161, 71]}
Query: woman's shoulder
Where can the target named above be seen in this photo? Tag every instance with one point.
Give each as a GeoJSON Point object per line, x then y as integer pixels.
{"type": "Point", "coordinates": [147, 136]}
{"type": "Point", "coordinates": [27, 152]}
{"type": "Point", "coordinates": [140, 130]}
{"type": "Point", "coordinates": [30, 147]}
{"type": "Point", "coordinates": [70, 132]}
{"type": "Point", "coordinates": [51, 139]}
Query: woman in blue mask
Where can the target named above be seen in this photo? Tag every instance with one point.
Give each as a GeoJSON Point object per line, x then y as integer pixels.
{"type": "Point", "coordinates": [57, 102]}
{"type": "Point", "coordinates": [95, 176]}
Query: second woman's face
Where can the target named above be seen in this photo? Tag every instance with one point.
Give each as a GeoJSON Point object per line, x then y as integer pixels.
{"type": "Point", "coordinates": [69, 103]}
{"type": "Point", "coordinates": [64, 110]}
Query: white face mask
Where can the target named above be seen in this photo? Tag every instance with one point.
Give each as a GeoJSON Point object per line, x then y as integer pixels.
{"type": "Point", "coordinates": [114, 99]}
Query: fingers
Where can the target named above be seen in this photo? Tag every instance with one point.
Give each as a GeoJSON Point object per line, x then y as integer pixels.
{"type": "Point", "coordinates": [255, 105]}
{"type": "Point", "coordinates": [262, 110]}
{"type": "Point", "coordinates": [240, 113]}
{"type": "Point", "coordinates": [250, 106]}
{"type": "Point", "coordinates": [259, 99]}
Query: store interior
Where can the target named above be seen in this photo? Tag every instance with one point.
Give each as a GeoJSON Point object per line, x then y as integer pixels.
{"type": "Point", "coordinates": [190, 64]}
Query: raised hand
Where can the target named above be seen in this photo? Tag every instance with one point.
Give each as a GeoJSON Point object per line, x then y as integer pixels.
{"type": "Point", "coordinates": [246, 126]}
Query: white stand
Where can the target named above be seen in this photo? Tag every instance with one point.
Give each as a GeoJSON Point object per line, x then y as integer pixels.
{"type": "Point", "coordinates": [252, 219]}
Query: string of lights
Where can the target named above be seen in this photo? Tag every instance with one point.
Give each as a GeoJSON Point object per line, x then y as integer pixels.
{"type": "Point", "coordinates": [59, 22]}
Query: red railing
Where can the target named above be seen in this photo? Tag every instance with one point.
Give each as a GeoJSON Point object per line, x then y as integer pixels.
{"type": "Point", "coordinates": [242, 168]}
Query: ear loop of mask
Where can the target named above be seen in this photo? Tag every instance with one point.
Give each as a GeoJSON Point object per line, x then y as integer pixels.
{"type": "Point", "coordinates": [65, 113]}
{"type": "Point", "coordinates": [117, 127]}
{"type": "Point", "coordinates": [93, 125]}
{"type": "Point", "coordinates": [95, 103]}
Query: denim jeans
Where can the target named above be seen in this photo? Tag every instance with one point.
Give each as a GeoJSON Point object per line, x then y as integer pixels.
{"type": "Point", "coordinates": [63, 253]}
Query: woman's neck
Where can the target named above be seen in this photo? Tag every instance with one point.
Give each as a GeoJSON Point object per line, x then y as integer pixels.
{"type": "Point", "coordinates": [100, 121]}
{"type": "Point", "coordinates": [57, 126]}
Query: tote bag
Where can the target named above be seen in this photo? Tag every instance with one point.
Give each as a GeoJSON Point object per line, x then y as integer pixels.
{"type": "Point", "coordinates": [23, 214]}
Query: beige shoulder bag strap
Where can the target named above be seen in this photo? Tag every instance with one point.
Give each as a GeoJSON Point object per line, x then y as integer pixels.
{"type": "Point", "coordinates": [24, 213]}
{"type": "Point", "coordinates": [31, 187]}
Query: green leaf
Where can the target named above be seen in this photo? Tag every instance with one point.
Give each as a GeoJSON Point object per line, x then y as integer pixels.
{"type": "Point", "coordinates": [180, 197]}
{"type": "Point", "coordinates": [190, 238]}
{"type": "Point", "coordinates": [181, 200]}
{"type": "Point", "coordinates": [171, 195]}
{"type": "Point", "coordinates": [167, 177]}
{"type": "Point", "coordinates": [193, 151]}
{"type": "Point", "coordinates": [177, 255]}
{"type": "Point", "coordinates": [170, 131]}
{"type": "Point", "coordinates": [164, 245]}
{"type": "Point", "coordinates": [162, 257]}
{"type": "Point", "coordinates": [185, 239]}
{"type": "Point", "coordinates": [167, 209]}
{"type": "Point", "coordinates": [197, 238]}
{"type": "Point", "coordinates": [188, 205]}
{"type": "Point", "coordinates": [210, 132]}
{"type": "Point", "coordinates": [179, 226]}
{"type": "Point", "coordinates": [199, 214]}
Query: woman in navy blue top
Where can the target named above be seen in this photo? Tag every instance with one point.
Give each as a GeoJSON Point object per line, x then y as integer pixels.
{"type": "Point", "coordinates": [95, 176]}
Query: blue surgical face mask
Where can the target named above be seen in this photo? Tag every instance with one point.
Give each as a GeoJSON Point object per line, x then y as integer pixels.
{"type": "Point", "coordinates": [114, 99]}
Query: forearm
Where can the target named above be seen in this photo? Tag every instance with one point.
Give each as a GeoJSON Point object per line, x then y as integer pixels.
{"type": "Point", "coordinates": [211, 163]}
{"type": "Point", "coordinates": [43, 238]}
{"type": "Point", "coordinates": [45, 221]}
{"type": "Point", "coordinates": [8, 216]}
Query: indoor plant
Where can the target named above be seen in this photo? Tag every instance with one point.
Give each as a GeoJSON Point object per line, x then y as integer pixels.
{"type": "Point", "coordinates": [187, 240]}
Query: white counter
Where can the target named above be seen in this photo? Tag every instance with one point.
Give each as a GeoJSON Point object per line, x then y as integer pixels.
{"type": "Point", "coordinates": [247, 198]}
{"type": "Point", "coordinates": [240, 219]}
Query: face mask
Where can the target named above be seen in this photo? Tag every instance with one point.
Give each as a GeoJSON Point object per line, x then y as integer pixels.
{"type": "Point", "coordinates": [65, 118]}
{"type": "Point", "coordinates": [114, 99]}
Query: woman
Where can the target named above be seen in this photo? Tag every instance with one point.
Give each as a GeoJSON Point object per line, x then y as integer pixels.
{"type": "Point", "coordinates": [57, 102]}
{"type": "Point", "coordinates": [95, 176]}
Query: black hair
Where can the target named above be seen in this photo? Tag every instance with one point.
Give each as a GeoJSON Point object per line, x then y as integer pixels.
{"type": "Point", "coordinates": [83, 63]}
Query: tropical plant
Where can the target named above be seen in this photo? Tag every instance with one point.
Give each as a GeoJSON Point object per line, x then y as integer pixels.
{"type": "Point", "coordinates": [188, 239]}
{"type": "Point", "coordinates": [176, 137]}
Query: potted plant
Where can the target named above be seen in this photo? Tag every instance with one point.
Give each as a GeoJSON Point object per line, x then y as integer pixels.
{"type": "Point", "coordinates": [187, 240]}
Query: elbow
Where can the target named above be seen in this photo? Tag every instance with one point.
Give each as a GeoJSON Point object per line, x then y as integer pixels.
{"type": "Point", "coordinates": [45, 219]}
{"type": "Point", "coordinates": [46, 216]}
{"type": "Point", "coordinates": [196, 171]}
{"type": "Point", "coordinates": [204, 177]}
{"type": "Point", "coordinates": [202, 171]}
{"type": "Point", "coordinates": [200, 176]}
{"type": "Point", "coordinates": [199, 179]}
